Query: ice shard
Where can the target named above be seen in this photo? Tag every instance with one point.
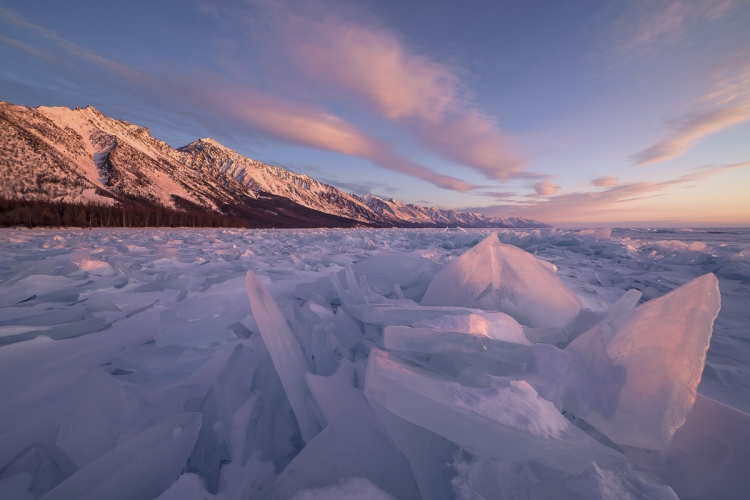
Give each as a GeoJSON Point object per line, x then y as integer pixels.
{"type": "Point", "coordinates": [662, 345]}
{"type": "Point", "coordinates": [708, 456]}
{"type": "Point", "coordinates": [337, 392]}
{"type": "Point", "coordinates": [287, 356]}
{"type": "Point", "coordinates": [495, 276]}
{"type": "Point", "coordinates": [103, 412]}
{"type": "Point", "coordinates": [492, 335]}
{"type": "Point", "coordinates": [660, 350]}
{"type": "Point", "coordinates": [429, 454]}
{"type": "Point", "coordinates": [507, 420]}
{"type": "Point", "coordinates": [346, 329]}
{"type": "Point", "coordinates": [142, 467]}
{"type": "Point", "coordinates": [350, 447]}
{"type": "Point", "coordinates": [48, 466]}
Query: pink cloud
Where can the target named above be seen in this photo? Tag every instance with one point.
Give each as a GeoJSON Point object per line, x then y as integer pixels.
{"type": "Point", "coordinates": [646, 26]}
{"type": "Point", "coordinates": [598, 205]}
{"type": "Point", "coordinates": [289, 121]}
{"type": "Point", "coordinates": [726, 103]}
{"type": "Point", "coordinates": [308, 126]}
{"type": "Point", "coordinates": [499, 195]}
{"type": "Point", "coordinates": [605, 181]}
{"type": "Point", "coordinates": [423, 96]}
{"type": "Point", "coordinates": [690, 132]}
{"type": "Point", "coordinates": [546, 188]}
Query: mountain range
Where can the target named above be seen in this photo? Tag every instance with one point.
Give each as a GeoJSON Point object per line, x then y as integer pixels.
{"type": "Point", "coordinates": [57, 154]}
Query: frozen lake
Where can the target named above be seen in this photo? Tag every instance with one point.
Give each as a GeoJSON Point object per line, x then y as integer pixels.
{"type": "Point", "coordinates": [144, 343]}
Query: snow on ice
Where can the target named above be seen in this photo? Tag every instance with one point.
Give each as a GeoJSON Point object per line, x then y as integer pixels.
{"type": "Point", "coordinates": [434, 364]}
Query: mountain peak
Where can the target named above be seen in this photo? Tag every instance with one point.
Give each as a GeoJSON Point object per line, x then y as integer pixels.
{"type": "Point", "coordinates": [201, 143]}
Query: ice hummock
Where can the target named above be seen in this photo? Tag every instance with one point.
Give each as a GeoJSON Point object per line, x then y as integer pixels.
{"type": "Point", "coordinates": [105, 334]}
{"type": "Point", "coordinates": [504, 278]}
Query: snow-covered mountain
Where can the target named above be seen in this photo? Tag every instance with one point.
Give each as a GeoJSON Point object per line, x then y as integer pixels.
{"type": "Point", "coordinates": [396, 211]}
{"type": "Point", "coordinates": [81, 155]}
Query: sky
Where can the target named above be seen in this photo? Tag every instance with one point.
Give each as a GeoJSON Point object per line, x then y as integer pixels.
{"type": "Point", "coordinates": [575, 113]}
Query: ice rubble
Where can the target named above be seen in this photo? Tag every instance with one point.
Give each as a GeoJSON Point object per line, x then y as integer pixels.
{"type": "Point", "coordinates": [310, 364]}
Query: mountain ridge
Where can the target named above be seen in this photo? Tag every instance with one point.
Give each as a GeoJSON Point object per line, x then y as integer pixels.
{"type": "Point", "coordinates": [81, 155]}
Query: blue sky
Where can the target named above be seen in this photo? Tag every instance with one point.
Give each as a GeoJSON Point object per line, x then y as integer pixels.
{"type": "Point", "coordinates": [575, 113]}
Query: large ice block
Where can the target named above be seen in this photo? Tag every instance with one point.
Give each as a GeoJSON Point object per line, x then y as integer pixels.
{"type": "Point", "coordinates": [661, 347]}
{"type": "Point", "coordinates": [508, 420]}
{"type": "Point", "coordinates": [142, 467]}
{"type": "Point", "coordinates": [495, 276]}
{"type": "Point", "coordinates": [287, 356]}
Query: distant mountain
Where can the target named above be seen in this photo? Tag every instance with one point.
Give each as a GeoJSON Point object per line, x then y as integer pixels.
{"type": "Point", "coordinates": [80, 155]}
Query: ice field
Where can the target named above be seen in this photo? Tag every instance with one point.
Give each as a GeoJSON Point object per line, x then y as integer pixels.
{"type": "Point", "coordinates": [375, 364]}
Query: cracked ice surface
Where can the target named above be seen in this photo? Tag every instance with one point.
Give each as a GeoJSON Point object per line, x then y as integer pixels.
{"type": "Point", "coordinates": [237, 364]}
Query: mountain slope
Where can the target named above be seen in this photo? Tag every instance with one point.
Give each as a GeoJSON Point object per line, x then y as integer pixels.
{"type": "Point", "coordinates": [80, 155]}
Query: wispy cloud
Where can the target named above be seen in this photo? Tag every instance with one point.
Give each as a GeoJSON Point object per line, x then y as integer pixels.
{"type": "Point", "coordinates": [282, 119]}
{"type": "Point", "coordinates": [305, 125]}
{"type": "Point", "coordinates": [646, 26]}
{"type": "Point", "coordinates": [727, 103]}
{"type": "Point", "coordinates": [359, 188]}
{"type": "Point", "coordinates": [425, 97]}
{"type": "Point", "coordinates": [499, 195]}
{"type": "Point", "coordinates": [595, 205]}
{"type": "Point", "coordinates": [605, 181]}
{"type": "Point", "coordinates": [69, 46]}
{"type": "Point", "coordinates": [691, 131]}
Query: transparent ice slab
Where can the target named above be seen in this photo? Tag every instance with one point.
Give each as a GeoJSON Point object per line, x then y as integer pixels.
{"type": "Point", "coordinates": [350, 447]}
{"type": "Point", "coordinates": [142, 467]}
{"type": "Point", "coordinates": [287, 356]}
{"type": "Point", "coordinates": [507, 421]}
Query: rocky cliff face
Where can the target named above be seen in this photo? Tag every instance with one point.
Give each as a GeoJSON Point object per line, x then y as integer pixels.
{"type": "Point", "coordinates": [81, 155]}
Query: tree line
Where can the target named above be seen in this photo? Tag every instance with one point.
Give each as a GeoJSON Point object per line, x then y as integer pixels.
{"type": "Point", "coordinates": [33, 213]}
